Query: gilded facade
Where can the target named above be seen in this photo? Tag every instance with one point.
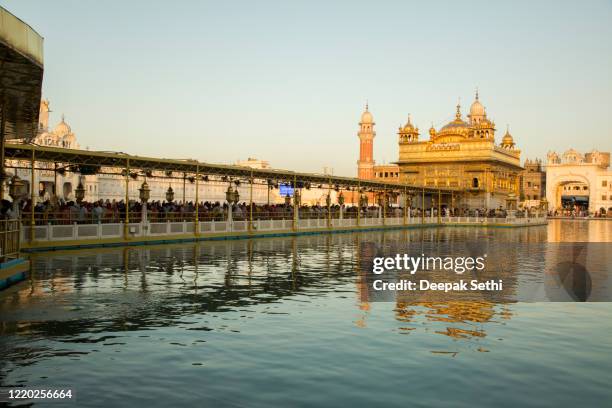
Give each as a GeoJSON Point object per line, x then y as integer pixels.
{"type": "Point", "coordinates": [463, 155]}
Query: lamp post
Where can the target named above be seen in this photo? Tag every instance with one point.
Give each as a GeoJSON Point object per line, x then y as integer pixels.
{"type": "Point", "coordinates": [170, 195]}
{"type": "Point", "coordinates": [297, 197]}
{"type": "Point", "coordinates": [229, 197]}
{"type": "Point", "coordinates": [79, 193]}
{"type": "Point", "coordinates": [236, 196]}
{"type": "Point", "coordinates": [145, 193]}
{"type": "Point", "coordinates": [297, 201]}
{"type": "Point", "coordinates": [328, 204]}
{"type": "Point", "coordinates": [363, 200]}
{"type": "Point", "coordinates": [543, 207]}
{"type": "Point", "coordinates": [17, 190]}
{"type": "Point", "coordinates": [433, 206]}
{"type": "Point", "coordinates": [408, 207]}
{"type": "Point", "coordinates": [341, 203]}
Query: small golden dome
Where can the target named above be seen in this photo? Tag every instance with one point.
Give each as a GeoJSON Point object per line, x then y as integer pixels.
{"type": "Point", "coordinates": [432, 130]}
{"type": "Point", "coordinates": [508, 140]}
{"type": "Point", "coordinates": [409, 127]}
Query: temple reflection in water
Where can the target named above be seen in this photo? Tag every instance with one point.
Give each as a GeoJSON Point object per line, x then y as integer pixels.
{"type": "Point", "coordinates": [138, 288]}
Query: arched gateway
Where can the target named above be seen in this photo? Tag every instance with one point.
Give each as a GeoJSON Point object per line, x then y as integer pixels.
{"type": "Point", "coordinates": [578, 182]}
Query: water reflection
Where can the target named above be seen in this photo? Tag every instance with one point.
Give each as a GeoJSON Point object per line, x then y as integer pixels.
{"type": "Point", "coordinates": [152, 286]}
{"type": "Point", "coordinates": [77, 303]}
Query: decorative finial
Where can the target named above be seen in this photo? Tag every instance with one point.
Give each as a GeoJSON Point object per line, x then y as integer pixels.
{"type": "Point", "coordinates": [458, 114]}
{"type": "Point", "coordinates": [507, 128]}
{"type": "Point", "coordinates": [476, 93]}
{"type": "Point", "coordinates": [409, 119]}
{"type": "Point", "coordinates": [63, 117]}
{"type": "Point", "coordinates": [366, 105]}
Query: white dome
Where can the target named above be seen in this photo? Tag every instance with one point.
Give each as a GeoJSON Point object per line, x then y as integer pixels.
{"type": "Point", "coordinates": [477, 109]}
{"type": "Point", "coordinates": [62, 128]}
{"type": "Point", "coordinates": [366, 117]}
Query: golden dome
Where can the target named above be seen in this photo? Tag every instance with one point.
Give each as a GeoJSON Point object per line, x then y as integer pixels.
{"type": "Point", "coordinates": [507, 140]}
{"type": "Point", "coordinates": [409, 127]}
{"type": "Point", "coordinates": [366, 117]}
{"type": "Point", "coordinates": [432, 130]}
{"type": "Point", "coordinates": [457, 125]}
{"type": "Point", "coordinates": [62, 128]}
{"type": "Point", "coordinates": [452, 132]}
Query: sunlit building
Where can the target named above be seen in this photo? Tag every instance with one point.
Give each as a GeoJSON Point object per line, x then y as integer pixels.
{"type": "Point", "coordinates": [462, 155]}
{"type": "Point", "coordinates": [577, 181]}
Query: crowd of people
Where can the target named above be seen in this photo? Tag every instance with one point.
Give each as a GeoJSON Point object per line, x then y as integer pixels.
{"type": "Point", "coordinates": [113, 211]}
{"type": "Point", "coordinates": [581, 212]}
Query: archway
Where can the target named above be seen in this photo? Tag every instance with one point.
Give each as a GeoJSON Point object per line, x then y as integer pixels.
{"type": "Point", "coordinates": [572, 194]}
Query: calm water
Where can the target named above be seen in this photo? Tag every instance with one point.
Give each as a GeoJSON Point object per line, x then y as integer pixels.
{"type": "Point", "coordinates": [286, 322]}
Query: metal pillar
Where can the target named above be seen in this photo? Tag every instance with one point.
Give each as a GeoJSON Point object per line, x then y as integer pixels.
{"type": "Point", "coordinates": [55, 180]}
{"type": "Point", "coordinates": [423, 207]}
{"type": "Point", "coordinates": [328, 201]}
{"type": "Point", "coordinates": [295, 205]}
{"type": "Point", "coordinates": [384, 207]}
{"type": "Point", "coordinates": [358, 202]}
{"type": "Point", "coordinates": [405, 204]}
{"type": "Point", "coordinates": [2, 128]}
{"type": "Point", "coordinates": [196, 222]}
{"type": "Point", "coordinates": [439, 208]}
{"type": "Point", "coordinates": [32, 221]}
{"type": "Point", "coordinates": [126, 221]}
{"type": "Point", "coordinates": [251, 203]}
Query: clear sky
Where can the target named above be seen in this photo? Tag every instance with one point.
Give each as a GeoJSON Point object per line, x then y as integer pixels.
{"type": "Point", "coordinates": [286, 81]}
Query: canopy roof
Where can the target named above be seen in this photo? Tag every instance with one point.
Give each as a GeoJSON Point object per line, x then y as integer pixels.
{"type": "Point", "coordinates": [21, 75]}
{"type": "Point", "coordinates": [192, 167]}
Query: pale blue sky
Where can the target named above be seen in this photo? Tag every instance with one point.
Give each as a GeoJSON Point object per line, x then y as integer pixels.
{"type": "Point", "coordinates": [286, 81]}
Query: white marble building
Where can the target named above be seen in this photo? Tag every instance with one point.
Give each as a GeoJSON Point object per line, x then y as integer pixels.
{"type": "Point", "coordinates": [583, 178]}
{"type": "Point", "coordinates": [112, 186]}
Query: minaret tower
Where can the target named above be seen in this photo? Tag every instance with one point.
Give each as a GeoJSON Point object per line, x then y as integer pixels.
{"type": "Point", "coordinates": [365, 164]}
{"type": "Point", "coordinates": [43, 117]}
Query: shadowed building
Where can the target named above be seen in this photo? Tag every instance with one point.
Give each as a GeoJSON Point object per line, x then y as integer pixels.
{"type": "Point", "coordinates": [533, 183]}
{"type": "Point", "coordinates": [21, 75]}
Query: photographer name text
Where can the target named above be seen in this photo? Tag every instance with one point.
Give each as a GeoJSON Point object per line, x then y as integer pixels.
{"type": "Point", "coordinates": [423, 284]}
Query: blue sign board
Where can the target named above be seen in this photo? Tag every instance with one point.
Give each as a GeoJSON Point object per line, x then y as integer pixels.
{"type": "Point", "coordinates": [286, 189]}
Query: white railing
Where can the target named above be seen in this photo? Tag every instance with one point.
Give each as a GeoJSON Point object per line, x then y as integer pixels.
{"type": "Point", "coordinates": [92, 232]}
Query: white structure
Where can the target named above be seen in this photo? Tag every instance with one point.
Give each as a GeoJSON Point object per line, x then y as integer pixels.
{"type": "Point", "coordinates": [61, 136]}
{"type": "Point", "coordinates": [110, 184]}
{"type": "Point", "coordinates": [574, 175]}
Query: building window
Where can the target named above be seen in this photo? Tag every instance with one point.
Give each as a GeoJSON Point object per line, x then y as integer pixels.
{"type": "Point", "coordinates": [475, 182]}
{"type": "Point", "coordinates": [603, 197]}
{"type": "Point", "coordinates": [604, 183]}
